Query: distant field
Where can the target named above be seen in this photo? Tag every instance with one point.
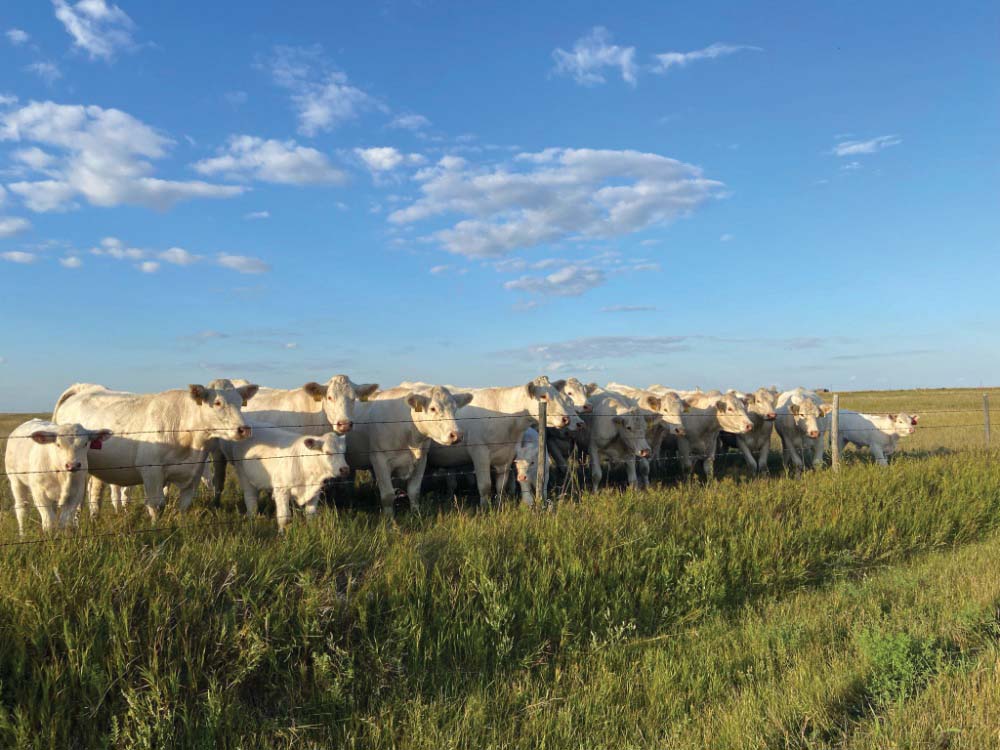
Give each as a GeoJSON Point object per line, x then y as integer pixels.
{"type": "Point", "coordinates": [859, 610]}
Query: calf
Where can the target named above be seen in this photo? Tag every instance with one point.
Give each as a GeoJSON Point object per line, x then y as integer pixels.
{"type": "Point", "coordinates": [756, 444]}
{"type": "Point", "coordinates": [394, 432]}
{"type": "Point", "coordinates": [616, 433]}
{"type": "Point", "coordinates": [526, 467]}
{"type": "Point", "coordinates": [801, 421]}
{"type": "Point", "coordinates": [879, 432]}
{"type": "Point", "coordinates": [292, 465]}
{"type": "Point", "coordinates": [46, 464]}
{"type": "Point", "coordinates": [160, 438]}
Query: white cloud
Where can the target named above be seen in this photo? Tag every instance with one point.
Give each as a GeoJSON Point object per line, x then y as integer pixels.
{"type": "Point", "coordinates": [437, 270]}
{"type": "Point", "coordinates": [97, 27]}
{"type": "Point", "coordinates": [569, 281]}
{"type": "Point", "coordinates": [593, 53]}
{"type": "Point", "coordinates": [3, 194]}
{"type": "Point", "coordinates": [254, 215]}
{"type": "Point", "coordinates": [17, 256]}
{"type": "Point", "coordinates": [667, 60]}
{"type": "Point", "coordinates": [409, 122]}
{"type": "Point", "coordinates": [47, 71]}
{"type": "Point", "coordinates": [242, 263]}
{"type": "Point", "coordinates": [34, 158]}
{"type": "Point", "coordinates": [386, 158]}
{"type": "Point", "coordinates": [562, 194]}
{"type": "Point", "coordinates": [16, 37]}
{"type": "Point", "coordinates": [178, 256]}
{"type": "Point", "coordinates": [71, 261]}
{"type": "Point", "coordinates": [113, 247]}
{"type": "Point", "coordinates": [726, 237]}
{"type": "Point", "coordinates": [11, 225]}
{"type": "Point", "coordinates": [628, 308]}
{"type": "Point", "coordinates": [149, 266]}
{"type": "Point", "coordinates": [236, 98]}
{"type": "Point", "coordinates": [853, 148]}
{"type": "Point", "coordinates": [603, 347]}
{"type": "Point", "coordinates": [7, 99]}
{"type": "Point", "coordinates": [104, 158]}
{"type": "Point", "coordinates": [851, 166]}
{"type": "Point", "coordinates": [283, 162]}
{"type": "Point", "coordinates": [323, 98]}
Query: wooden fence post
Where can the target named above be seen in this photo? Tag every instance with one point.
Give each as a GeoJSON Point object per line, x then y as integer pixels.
{"type": "Point", "coordinates": [542, 455]}
{"type": "Point", "coordinates": [986, 417]}
{"type": "Point", "coordinates": [835, 433]}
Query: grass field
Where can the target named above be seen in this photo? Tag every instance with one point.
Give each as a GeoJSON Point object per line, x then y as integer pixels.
{"type": "Point", "coordinates": [859, 610]}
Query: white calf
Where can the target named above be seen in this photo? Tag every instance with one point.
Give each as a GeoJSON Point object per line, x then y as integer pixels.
{"type": "Point", "coordinates": [880, 433]}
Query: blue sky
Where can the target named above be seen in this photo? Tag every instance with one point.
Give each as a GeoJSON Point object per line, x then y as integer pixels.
{"type": "Point", "coordinates": [711, 194]}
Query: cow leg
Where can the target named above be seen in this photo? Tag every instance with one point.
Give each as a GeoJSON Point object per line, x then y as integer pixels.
{"type": "Point", "coordinates": [630, 472]}
{"type": "Point", "coordinates": [684, 451]}
{"type": "Point", "coordinates": [595, 468]}
{"type": "Point", "coordinates": [218, 477]}
{"type": "Point", "coordinates": [503, 479]}
{"type": "Point", "coordinates": [481, 464]}
{"type": "Point", "coordinates": [817, 451]}
{"type": "Point", "coordinates": [152, 483]}
{"type": "Point", "coordinates": [187, 493]}
{"type": "Point", "coordinates": [765, 451]}
{"type": "Point", "coordinates": [282, 508]}
{"type": "Point", "coordinates": [878, 455]}
{"type": "Point", "coordinates": [311, 508]}
{"type": "Point", "coordinates": [383, 480]}
{"type": "Point", "coordinates": [250, 495]}
{"type": "Point", "coordinates": [22, 497]}
{"type": "Point", "coordinates": [747, 453]}
{"type": "Point", "coordinates": [414, 482]}
{"type": "Point", "coordinates": [643, 471]}
{"type": "Point", "coordinates": [95, 491]}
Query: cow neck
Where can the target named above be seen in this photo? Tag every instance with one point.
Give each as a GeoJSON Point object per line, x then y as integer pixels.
{"type": "Point", "coordinates": [191, 439]}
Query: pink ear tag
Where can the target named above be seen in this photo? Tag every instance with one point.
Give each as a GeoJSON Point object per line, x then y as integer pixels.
{"type": "Point", "coordinates": [96, 445]}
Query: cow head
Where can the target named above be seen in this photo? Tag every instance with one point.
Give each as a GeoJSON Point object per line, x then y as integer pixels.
{"type": "Point", "coordinates": [560, 411]}
{"type": "Point", "coordinates": [631, 429]}
{"type": "Point", "coordinates": [330, 454]}
{"type": "Point", "coordinates": [904, 424]}
{"type": "Point", "coordinates": [433, 413]}
{"type": "Point", "coordinates": [763, 403]}
{"type": "Point", "coordinates": [338, 397]}
{"type": "Point", "coordinates": [71, 443]}
{"type": "Point", "coordinates": [576, 392]}
{"type": "Point", "coordinates": [218, 411]}
{"type": "Point", "coordinates": [672, 407]}
{"type": "Point", "coordinates": [809, 416]}
{"type": "Point", "coordinates": [526, 457]}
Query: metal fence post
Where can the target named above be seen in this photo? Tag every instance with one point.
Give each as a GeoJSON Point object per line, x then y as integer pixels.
{"type": "Point", "coordinates": [986, 417]}
{"type": "Point", "coordinates": [542, 455]}
{"type": "Point", "coordinates": [835, 433]}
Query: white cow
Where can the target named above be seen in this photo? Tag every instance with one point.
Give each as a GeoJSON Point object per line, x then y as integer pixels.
{"type": "Point", "coordinates": [756, 444]}
{"type": "Point", "coordinates": [394, 432]}
{"type": "Point", "coordinates": [879, 432]}
{"type": "Point", "coordinates": [616, 433]}
{"type": "Point", "coordinates": [160, 438]}
{"type": "Point", "coordinates": [802, 425]}
{"type": "Point", "coordinates": [664, 416]}
{"type": "Point", "coordinates": [526, 467]}
{"type": "Point", "coordinates": [46, 464]}
{"type": "Point", "coordinates": [706, 414]}
{"type": "Point", "coordinates": [559, 441]}
{"type": "Point", "coordinates": [493, 424]}
{"type": "Point", "coordinates": [292, 465]}
{"type": "Point", "coordinates": [313, 409]}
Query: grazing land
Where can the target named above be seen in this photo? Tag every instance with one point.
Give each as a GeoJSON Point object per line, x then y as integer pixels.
{"type": "Point", "coordinates": [857, 610]}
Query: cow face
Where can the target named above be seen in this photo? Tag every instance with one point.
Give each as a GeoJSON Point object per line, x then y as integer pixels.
{"type": "Point", "coordinates": [218, 414]}
{"type": "Point", "coordinates": [560, 411]}
{"type": "Point", "coordinates": [576, 392]}
{"type": "Point", "coordinates": [631, 428]}
{"type": "Point", "coordinates": [763, 403]}
{"type": "Point", "coordinates": [809, 416]}
{"type": "Point", "coordinates": [338, 397]}
{"type": "Point", "coordinates": [669, 407]}
{"type": "Point", "coordinates": [904, 424]}
{"type": "Point", "coordinates": [732, 414]}
{"type": "Point", "coordinates": [71, 443]}
{"type": "Point", "coordinates": [526, 459]}
{"type": "Point", "coordinates": [433, 414]}
{"type": "Point", "coordinates": [332, 448]}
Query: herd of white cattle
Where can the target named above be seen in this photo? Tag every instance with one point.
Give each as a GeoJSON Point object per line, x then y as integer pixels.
{"type": "Point", "coordinates": [292, 442]}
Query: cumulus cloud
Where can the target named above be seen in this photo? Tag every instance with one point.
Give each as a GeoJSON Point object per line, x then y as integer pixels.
{"type": "Point", "coordinates": [871, 146]}
{"type": "Point", "coordinates": [591, 54]}
{"type": "Point", "coordinates": [386, 158]}
{"type": "Point", "coordinates": [11, 225]}
{"type": "Point", "coordinates": [569, 281]}
{"type": "Point", "coordinates": [178, 256]}
{"type": "Point", "coordinates": [47, 71]}
{"type": "Point", "coordinates": [19, 256]}
{"type": "Point", "coordinates": [70, 261]}
{"type": "Point", "coordinates": [283, 162]}
{"type": "Point", "coordinates": [323, 98]}
{"type": "Point", "coordinates": [149, 266]}
{"type": "Point", "coordinates": [103, 157]}
{"type": "Point", "coordinates": [242, 263]}
{"type": "Point", "coordinates": [97, 27]}
{"type": "Point", "coordinates": [17, 37]}
{"type": "Point", "coordinates": [7, 99]}
{"type": "Point", "coordinates": [34, 158]}
{"type": "Point", "coordinates": [554, 195]}
{"type": "Point", "coordinates": [409, 122]}
{"type": "Point", "coordinates": [667, 60]}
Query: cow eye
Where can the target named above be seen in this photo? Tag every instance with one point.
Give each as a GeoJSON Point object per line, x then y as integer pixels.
{"type": "Point", "coordinates": [434, 409]}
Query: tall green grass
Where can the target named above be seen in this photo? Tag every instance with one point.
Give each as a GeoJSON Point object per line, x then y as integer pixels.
{"type": "Point", "coordinates": [349, 632]}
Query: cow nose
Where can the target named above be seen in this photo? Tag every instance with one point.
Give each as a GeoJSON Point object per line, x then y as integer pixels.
{"type": "Point", "coordinates": [343, 426]}
{"type": "Point", "coordinates": [73, 465]}
{"type": "Point", "coordinates": [455, 437]}
{"type": "Point", "coordinates": [586, 409]}
{"type": "Point", "coordinates": [244, 432]}
{"type": "Point", "coordinates": [680, 432]}
{"type": "Point", "coordinates": [564, 422]}
{"type": "Point", "coordinates": [814, 433]}
{"type": "Point", "coordinates": [748, 427]}
{"type": "Point", "coordinates": [771, 416]}
{"type": "Point", "coordinates": [522, 477]}
{"type": "Point", "coordinates": [644, 453]}
{"type": "Point", "coordinates": [345, 471]}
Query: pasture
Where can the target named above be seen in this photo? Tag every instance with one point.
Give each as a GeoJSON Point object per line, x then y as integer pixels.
{"type": "Point", "coordinates": [859, 610]}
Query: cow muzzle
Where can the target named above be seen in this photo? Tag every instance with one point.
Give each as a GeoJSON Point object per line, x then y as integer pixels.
{"type": "Point", "coordinates": [454, 438]}
{"type": "Point", "coordinates": [585, 409]}
{"type": "Point", "coordinates": [343, 426]}
{"type": "Point", "coordinates": [680, 431]}
{"type": "Point", "coordinates": [813, 433]}
{"type": "Point", "coordinates": [748, 427]}
{"type": "Point", "coordinates": [345, 471]}
{"type": "Point", "coordinates": [243, 432]}
{"type": "Point", "coordinates": [770, 416]}
{"type": "Point", "coordinates": [644, 453]}
{"type": "Point", "coordinates": [73, 466]}
{"type": "Point", "coordinates": [522, 477]}
{"type": "Point", "coordinates": [564, 422]}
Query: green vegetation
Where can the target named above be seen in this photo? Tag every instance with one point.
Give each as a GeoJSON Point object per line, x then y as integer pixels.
{"type": "Point", "coordinates": [855, 611]}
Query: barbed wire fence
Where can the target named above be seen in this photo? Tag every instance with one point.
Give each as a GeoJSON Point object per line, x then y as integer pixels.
{"type": "Point", "coordinates": [574, 478]}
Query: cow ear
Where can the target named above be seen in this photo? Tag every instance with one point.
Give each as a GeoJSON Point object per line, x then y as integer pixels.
{"type": "Point", "coordinates": [591, 387]}
{"type": "Point", "coordinates": [43, 437]}
{"type": "Point", "coordinates": [315, 390]}
{"type": "Point", "coordinates": [914, 419]}
{"type": "Point", "coordinates": [462, 399]}
{"type": "Point", "coordinates": [248, 392]}
{"type": "Point", "coordinates": [312, 443]}
{"type": "Point", "coordinates": [720, 405]}
{"type": "Point", "coordinates": [654, 403]}
{"type": "Point", "coordinates": [98, 436]}
{"type": "Point", "coordinates": [892, 416]}
{"type": "Point", "coordinates": [825, 409]}
{"type": "Point", "coordinates": [532, 390]}
{"type": "Point", "coordinates": [365, 390]}
{"type": "Point", "coordinates": [685, 407]}
{"type": "Point", "coordinates": [794, 409]}
{"type": "Point", "coordinates": [559, 385]}
{"type": "Point", "coordinates": [749, 399]}
{"type": "Point", "coordinates": [417, 402]}
{"type": "Point", "coordinates": [199, 393]}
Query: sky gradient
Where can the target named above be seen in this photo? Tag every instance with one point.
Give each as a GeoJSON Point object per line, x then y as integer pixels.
{"type": "Point", "coordinates": [714, 195]}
